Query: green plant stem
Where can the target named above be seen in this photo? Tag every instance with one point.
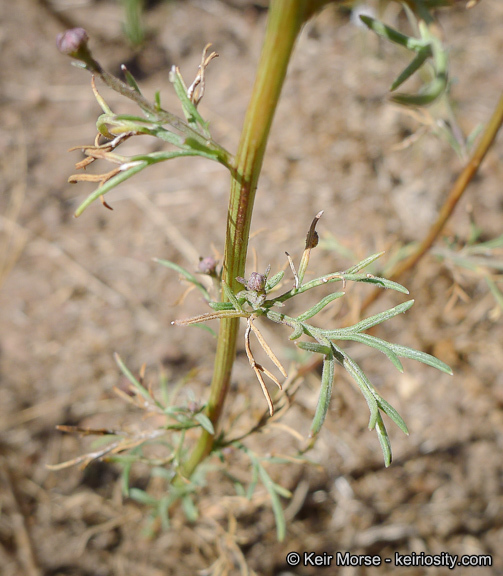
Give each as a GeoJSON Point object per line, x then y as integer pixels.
{"type": "Point", "coordinates": [285, 21]}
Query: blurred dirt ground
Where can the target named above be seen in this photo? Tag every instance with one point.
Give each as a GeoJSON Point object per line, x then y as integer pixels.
{"type": "Point", "coordinates": [75, 291]}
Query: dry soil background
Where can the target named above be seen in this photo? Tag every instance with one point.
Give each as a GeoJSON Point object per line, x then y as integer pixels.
{"type": "Point", "coordinates": [75, 291]}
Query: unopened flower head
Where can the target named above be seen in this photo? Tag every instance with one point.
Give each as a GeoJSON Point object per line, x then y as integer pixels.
{"type": "Point", "coordinates": [208, 266]}
{"type": "Point", "coordinates": [72, 41]}
{"type": "Point", "coordinates": [256, 282]}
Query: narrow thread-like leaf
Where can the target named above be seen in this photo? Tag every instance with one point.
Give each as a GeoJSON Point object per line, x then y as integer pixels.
{"type": "Point", "coordinates": [282, 491]}
{"type": "Point", "coordinates": [274, 281]}
{"type": "Point", "coordinates": [189, 508]}
{"type": "Point", "coordinates": [382, 435]}
{"type": "Point", "coordinates": [393, 414]}
{"type": "Point", "coordinates": [498, 296]}
{"type": "Point", "coordinates": [221, 305]}
{"type": "Point", "coordinates": [374, 342]}
{"type": "Point", "coordinates": [406, 352]}
{"type": "Point", "coordinates": [343, 277]}
{"type": "Point", "coordinates": [319, 306]}
{"type": "Point", "coordinates": [210, 316]}
{"type": "Point", "coordinates": [390, 34]}
{"type": "Point", "coordinates": [298, 330]}
{"type": "Point", "coordinates": [418, 61]}
{"type": "Point", "coordinates": [136, 164]}
{"type": "Point", "coordinates": [130, 79]}
{"type": "Point", "coordinates": [231, 297]}
{"type": "Point", "coordinates": [186, 274]}
{"type": "Point", "coordinates": [363, 383]}
{"type": "Point", "coordinates": [314, 347]}
{"type": "Point", "coordinates": [189, 109]}
{"type": "Point", "coordinates": [277, 509]}
{"type": "Point", "coordinates": [163, 509]}
{"type": "Point", "coordinates": [139, 387]}
{"type": "Point", "coordinates": [254, 479]}
{"type": "Point", "coordinates": [428, 93]}
{"type": "Point", "coordinates": [363, 264]}
{"type": "Point", "coordinates": [370, 321]}
{"type": "Point", "coordinates": [143, 497]}
{"type": "Point", "coordinates": [327, 379]}
{"type": "Point", "coordinates": [205, 422]}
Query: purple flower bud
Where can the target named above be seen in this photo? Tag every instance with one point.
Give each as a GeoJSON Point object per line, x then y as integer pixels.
{"type": "Point", "coordinates": [256, 282]}
{"type": "Point", "coordinates": [193, 406]}
{"type": "Point", "coordinates": [72, 41]}
{"type": "Point", "coordinates": [208, 266]}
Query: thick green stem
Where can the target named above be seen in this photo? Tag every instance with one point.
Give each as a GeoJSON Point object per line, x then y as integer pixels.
{"type": "Point", "coordinates": [285, 21]}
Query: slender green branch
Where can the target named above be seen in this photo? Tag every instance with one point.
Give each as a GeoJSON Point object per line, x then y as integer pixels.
{"type": "Point", "coordinates": [161, 116]}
